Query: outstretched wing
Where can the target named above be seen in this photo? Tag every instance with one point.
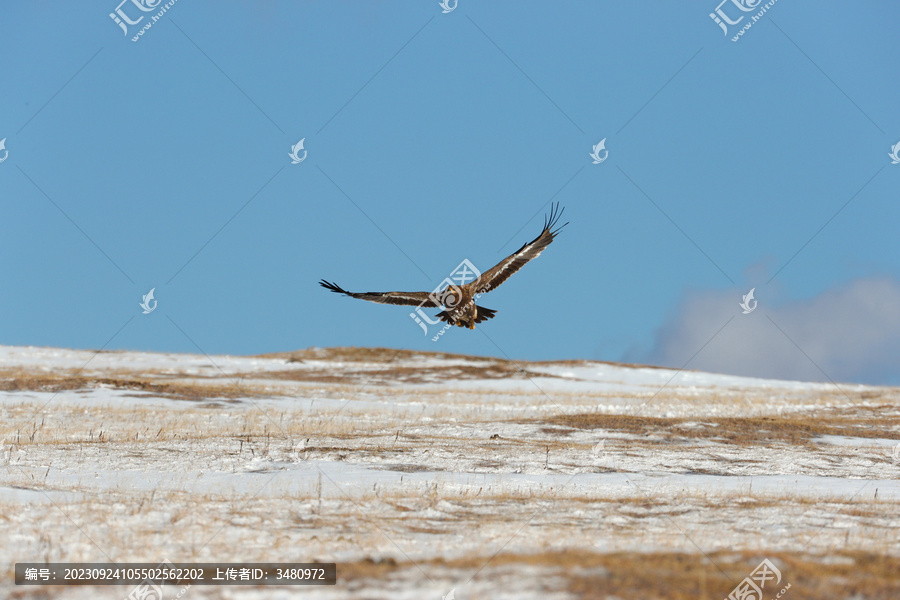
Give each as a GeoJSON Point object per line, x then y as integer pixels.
{"type": "Point", "coordinates": [493, 277]}
{"type": "Point", "coordinates": [408, 298]}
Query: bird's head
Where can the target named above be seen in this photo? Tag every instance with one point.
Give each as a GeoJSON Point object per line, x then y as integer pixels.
{"type": "Point", "coordinates": [451, 296]}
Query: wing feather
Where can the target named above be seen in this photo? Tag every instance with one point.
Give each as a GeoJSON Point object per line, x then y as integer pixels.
{"type": "Point", "coordinates": [406, 298]}
{"type": "Point", "coordinates": [493, 277]}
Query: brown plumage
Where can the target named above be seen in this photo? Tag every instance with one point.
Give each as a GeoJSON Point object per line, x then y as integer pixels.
{"type": "Point", "coordinates": [458, 302]}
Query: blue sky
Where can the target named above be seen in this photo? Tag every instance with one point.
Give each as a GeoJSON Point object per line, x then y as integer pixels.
{"type": "Point", "coordinates": [436, 137]}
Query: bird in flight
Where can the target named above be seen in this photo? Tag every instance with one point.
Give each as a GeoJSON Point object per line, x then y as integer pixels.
{"type": "Point", "coordinates": [458, 301]}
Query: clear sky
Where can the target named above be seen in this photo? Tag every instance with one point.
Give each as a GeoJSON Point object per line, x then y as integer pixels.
{"type": "Point", "coordinates": [434, 137]}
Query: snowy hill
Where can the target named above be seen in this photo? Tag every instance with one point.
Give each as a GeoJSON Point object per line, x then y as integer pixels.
{"type": "Point", "coordinates": [413, 470]}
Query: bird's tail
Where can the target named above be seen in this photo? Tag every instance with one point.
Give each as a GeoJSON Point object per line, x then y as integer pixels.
{"type": "Point", "coordinates": [483, 315]}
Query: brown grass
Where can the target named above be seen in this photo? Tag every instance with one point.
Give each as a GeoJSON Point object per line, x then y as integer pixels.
{"type": "Point", "coordinates": [22, 380]}
{"type": "Point", "coordinates": [394, 374]}
{"type": "Point", "coordinates": [379, 354]}
{"type": "Point", "coordinates": [489, 367]}
{"type": "Point", "coordinates": [868, 422]}
{"type": "Point", "coordinates": [673, 576]}
{"type": "Point", "coordinates": [371, 355]}
{"type": "Point", "coordinates": [392, 366]}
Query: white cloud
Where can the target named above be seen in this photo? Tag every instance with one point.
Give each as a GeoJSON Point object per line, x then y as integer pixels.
{"type": "Point", "coordinates": [851, 332]}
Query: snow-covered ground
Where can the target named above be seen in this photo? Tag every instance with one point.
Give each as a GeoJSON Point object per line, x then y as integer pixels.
{"type": "Point", "coordinates": [424, 473]}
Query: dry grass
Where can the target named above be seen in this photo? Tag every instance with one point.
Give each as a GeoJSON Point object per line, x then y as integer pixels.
{"type": "Point", "coordinates": [867, 422]}
{"type": "Point", "coordinates": [276, 506]}
{"type": "Point", "coordinates": [195, 422]}
{"type": "Point", "coordinates": [158, 521]}
{"type": "Point", "coordinates": [391, 374]}
{"type": "Point", "coordinates": [379, 354]}
{"type": "Point", "coordinates": [670, 576]}
{"type": "Point", "coordinates": [392, 367]}
{"type": "Point", "coordinates": [370, 355]}
{"type": "Point", "coordinates": [200, 388]}
{"type": "Point", "coordinates": [590, 363]}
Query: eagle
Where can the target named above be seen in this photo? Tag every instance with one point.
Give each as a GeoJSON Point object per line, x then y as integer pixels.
{"type": "Point", "coordinates": [458, 301]}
